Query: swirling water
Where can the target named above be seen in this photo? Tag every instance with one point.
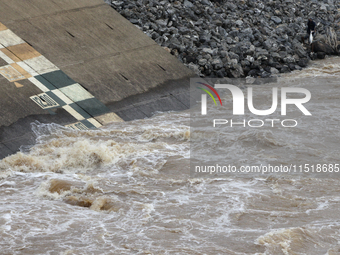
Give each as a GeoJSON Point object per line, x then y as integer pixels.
{"type": "Point", "coordinates": [126, 188]}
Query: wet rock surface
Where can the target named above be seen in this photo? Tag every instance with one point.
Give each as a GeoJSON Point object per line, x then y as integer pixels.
{"type": "Point", "coordinates": [219, 38]}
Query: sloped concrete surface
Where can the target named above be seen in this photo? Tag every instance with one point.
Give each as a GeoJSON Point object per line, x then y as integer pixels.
{"type": "Point", "coordinates": [74, 61]}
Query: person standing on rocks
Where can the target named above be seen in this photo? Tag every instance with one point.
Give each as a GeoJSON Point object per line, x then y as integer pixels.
{"type": "Point", "coordinates": [310, 27]}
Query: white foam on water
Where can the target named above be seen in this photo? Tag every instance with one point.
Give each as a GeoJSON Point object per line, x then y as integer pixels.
{"type": "Point", "coordinates": [125, 188]}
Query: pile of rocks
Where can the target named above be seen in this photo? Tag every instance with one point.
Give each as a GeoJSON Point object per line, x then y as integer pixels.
{"type": "Point", "coordinates": [220, 38]}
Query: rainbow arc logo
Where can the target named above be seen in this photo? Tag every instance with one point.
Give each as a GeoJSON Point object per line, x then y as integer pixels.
{"type": "Point", "coordinates": [208, 92]}
{"type": "Point", "coordinates": [204, 96]}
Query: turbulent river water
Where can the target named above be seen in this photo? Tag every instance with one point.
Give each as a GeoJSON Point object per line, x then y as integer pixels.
{"type": "Point", "coordinates": [126, 188]}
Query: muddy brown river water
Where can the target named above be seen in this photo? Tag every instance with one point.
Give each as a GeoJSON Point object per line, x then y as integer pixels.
{"type": "Point", "coordinates": [126, 188]}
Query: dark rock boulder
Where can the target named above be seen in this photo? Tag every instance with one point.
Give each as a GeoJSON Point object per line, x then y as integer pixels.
{"type": "Point", "coordinates": [299, 50]}
{"type": "Point", "coordinates": [303, 62]}
{"type": "Point", "coordinates": [321, 55]}
{"type": "Point", "coordinates": [276, 19]}
{"type": "Point", "coordinates": [285, 69]}
{"type": "Point", "coordinates": [322, 47]}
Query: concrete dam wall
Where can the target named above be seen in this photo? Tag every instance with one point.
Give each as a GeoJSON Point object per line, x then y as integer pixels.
{"type": "Point", "coordinates": [79, 64]}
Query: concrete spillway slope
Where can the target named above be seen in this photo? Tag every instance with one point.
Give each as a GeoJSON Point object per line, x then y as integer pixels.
{"type": "Point", "coordinates": [81, 64]}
